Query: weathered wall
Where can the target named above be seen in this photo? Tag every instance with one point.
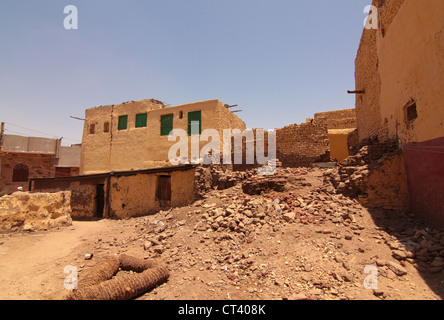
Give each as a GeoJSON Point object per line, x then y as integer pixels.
{"type": "Point", "coordinates": [143, 148]}
{"type": "Point", "coordinates": [339, 140]}
{"type": "Point", "coordinates": [302, 145]}
{"type": "Point", "coordinates": [425, 172]}
{"type": "Point", "coordinates": [83, 193]}
{"type": "Point", "coordinates": [40, 166]}
{"type": "Point", "coordinates": [337, 119]}
{"type": "Point", "coordinates": [411, 67]}
{"type": "Point", "coordinates": [386, 186]}
{"type": "Point", "coordinates": [402, 62]}
{"type": "Point", "coordinates": [136, 195]}
{"type": "Point", "coordinates": [401, 65]}
{"type": "Point", "coordinates": [23, 211]}
{"type": "Point", "coordinates": [14, 143]}
{"type": "Point", "coordinates": [368, 114]}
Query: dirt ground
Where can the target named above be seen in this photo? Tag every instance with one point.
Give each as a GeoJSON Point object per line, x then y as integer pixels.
{"type": "Point", "coordinates": [271, 257]}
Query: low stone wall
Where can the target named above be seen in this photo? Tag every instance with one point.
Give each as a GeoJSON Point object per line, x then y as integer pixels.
{"type": "Point", "coordinates": [24, 211]}
{"type": "Point", "coordinates": [302, 145]}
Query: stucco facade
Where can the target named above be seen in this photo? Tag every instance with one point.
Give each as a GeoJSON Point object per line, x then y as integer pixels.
{"type": "Point", "coordinates": [125, 194]}
{"type": "Point", "coordinates": [400, 68]}
{"type": "Point", "coordinates": [107, 146]}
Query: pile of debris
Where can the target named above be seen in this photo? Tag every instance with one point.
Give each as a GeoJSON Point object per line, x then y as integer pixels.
{"type": "Point", "coordinates": [349, 178]}
{"type": "Point", "coordinates": [217, 177]}
{"type": "Point", "coordinates": [25, 211]}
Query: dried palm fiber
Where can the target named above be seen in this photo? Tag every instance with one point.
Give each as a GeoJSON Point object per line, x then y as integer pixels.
{"type": "Point", "coordinates": [123, 287]}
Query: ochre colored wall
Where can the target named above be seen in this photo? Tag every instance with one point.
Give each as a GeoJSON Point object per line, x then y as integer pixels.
{"type": "Point", "coordinates": [337, 119]}
{"type": "Point", "coordinates": [411, 66]}
{"type": "Point", "coordinates": [136, 195]}
{"type": "Point", "coordinates": [83, 193]}
{"type": "Point", "coordinates": [387, 186]}
{"type": "Point", "coordinates": [302, 145]}
{"type": "Point", "coordinates": [339, 143]}
{"type": "Point", "coordinates": [402, 61]}
{"type": "Point", "coordinates": [144, 148]}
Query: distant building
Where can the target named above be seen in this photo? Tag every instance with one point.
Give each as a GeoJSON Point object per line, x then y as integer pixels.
{"type": "Point", "coordinates": [22, 158]}
{"type": "Point", "coordinates": [134, 135]}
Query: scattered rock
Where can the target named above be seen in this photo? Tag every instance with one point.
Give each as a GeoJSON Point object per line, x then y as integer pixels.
{"type": "Point", "coordinates": [396, 268]}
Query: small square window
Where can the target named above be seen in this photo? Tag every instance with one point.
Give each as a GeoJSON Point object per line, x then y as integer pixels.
{"type": "Point", "coordinates": [141, 120]}
{"type": "Point", "coordinates": [123, 123]}
{"type": "Point", "coordinates": [411, 112]}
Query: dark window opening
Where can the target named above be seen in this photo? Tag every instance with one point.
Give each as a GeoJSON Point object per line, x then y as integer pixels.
{"type": "Point", "coordinates": [411, 112]}
{"type": "Point", "coordinates": [92, 128]}
{"type": "Point", "coordinates": [123, 123]}
{"type": "Point", "coordinates": [20, 173]}
{"type": "Point", "coordinates": [141, 120]}
{"type": "Point", "coordinates": [180, 114]}
{"type": "Point", "coordinates": [106, 127]}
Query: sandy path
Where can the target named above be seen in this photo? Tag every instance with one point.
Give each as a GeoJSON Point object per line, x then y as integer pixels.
{"type": "Point", "coordinates": [26, 260]}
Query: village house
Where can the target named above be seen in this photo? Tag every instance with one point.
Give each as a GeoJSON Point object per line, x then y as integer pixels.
{"type": "Point", "coordinates": [22, 158]}
{"type": "Point", "coordinates": [134, 135]}
{"type": "Point", "coordinates": [400, 97]}
{"type": "Point", "coordinates": [125, 169]}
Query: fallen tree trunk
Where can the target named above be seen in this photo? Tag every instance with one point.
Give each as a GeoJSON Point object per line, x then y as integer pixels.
{"type": "Point", "coordinates": [98, 285]}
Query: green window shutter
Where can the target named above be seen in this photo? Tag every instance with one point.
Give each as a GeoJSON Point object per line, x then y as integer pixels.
{"type": "Point", "coordinates": [123, 123]}
{"type": "Point", "coordinates": [141, 120]}
{"type": "Point", "coordinates": [166, 124]}
{"type": "Point", "coordinates": [195, 116]}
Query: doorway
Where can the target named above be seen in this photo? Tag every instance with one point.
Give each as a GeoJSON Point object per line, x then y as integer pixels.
{"type": "Point", "coordinates": [100, 200]}
{"type": "Point", "coordinates": [164, 190]}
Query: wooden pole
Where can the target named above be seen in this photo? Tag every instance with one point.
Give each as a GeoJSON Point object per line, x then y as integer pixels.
{"type": "Point", "coordinates": [2, 132]}
{"type": "Point", "coordinates": [355, 91]}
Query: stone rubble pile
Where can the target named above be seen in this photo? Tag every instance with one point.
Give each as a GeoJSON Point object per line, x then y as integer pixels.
{"type": "Point", "coordinates": [349, 177]}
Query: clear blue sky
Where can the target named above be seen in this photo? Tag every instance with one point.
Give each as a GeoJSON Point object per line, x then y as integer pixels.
{"type": "Point", "coordinates": [280, 61]}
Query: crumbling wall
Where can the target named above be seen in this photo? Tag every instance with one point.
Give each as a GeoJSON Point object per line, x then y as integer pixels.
{"type": "Point", "coordinates": [337, 119]}
{"type": "Point", "coordinates": [23, 211]}
{"type": "Point", "coordinates": [302, 145]}
{"type": "Point", "coordinates": [83, 193]}
{"type": "Point", "coordinates": [368, 114]}
{"type": "Point", "coordinates": [375, 175]}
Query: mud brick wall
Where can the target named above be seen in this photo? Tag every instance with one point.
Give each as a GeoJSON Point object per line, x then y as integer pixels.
{"type": "Point", "coordinates": [338, 119]}
{"type": "Point", "coordinates": [367, 74]}
{"type": "Point", "coordinates": [40, 166]}
{"type": "Point", "coordinates": [302, 145]}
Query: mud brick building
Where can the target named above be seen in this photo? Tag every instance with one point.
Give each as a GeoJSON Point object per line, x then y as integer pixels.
{"type": "Point", "coordinates": [22, 158]}
{"type": "Point", "coordinates": [400, 76]}
{"type": "Point", "coordinates": [123, 194]}
{"type": "Point", "coordinates": [134, 135]}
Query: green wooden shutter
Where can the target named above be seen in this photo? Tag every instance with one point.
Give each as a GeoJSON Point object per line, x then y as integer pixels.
{"type": "Point", "coordinates": [123, 123]}
{"type": "Point", "coordinates": [166, 124]}
{"type": "Point", "coordinates": [195, 116]}
{"type": "Point", "coordinates": [141, 120]}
